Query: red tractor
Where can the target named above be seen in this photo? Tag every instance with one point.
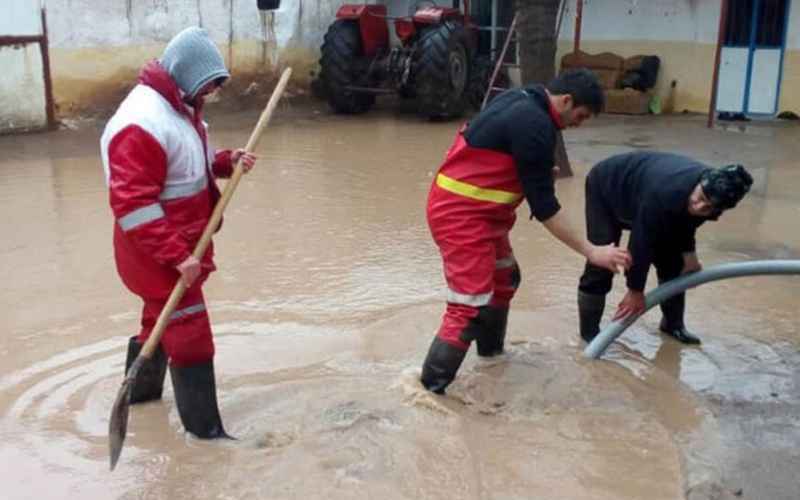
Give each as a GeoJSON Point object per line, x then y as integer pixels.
{"type": "Point", "coordinates": [436, 61]}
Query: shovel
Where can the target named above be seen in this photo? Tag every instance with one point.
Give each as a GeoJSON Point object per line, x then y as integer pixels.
{"type": "Point", "coordinates": [118, 424]}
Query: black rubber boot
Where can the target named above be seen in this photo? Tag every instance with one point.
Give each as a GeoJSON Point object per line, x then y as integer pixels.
{"type": "Point", "coordinates": [491, 340]}
{"type": "Point", "coordinates": [149, 383]}
{"type": "Point", "coordinates": [672, 322]}
{"type": "Point", "coordinates": [441, 365]}
{"type": "Point", "coordinates": [590, 312]}
{"type": "Point", "coordinates": [196, 396]}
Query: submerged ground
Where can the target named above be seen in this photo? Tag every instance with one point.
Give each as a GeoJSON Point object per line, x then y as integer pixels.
{"type": "Point", "coordinates": [328, 292]}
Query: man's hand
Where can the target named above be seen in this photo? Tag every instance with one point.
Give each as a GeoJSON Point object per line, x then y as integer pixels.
{"type": "Point", "coordinates": [248, 159]}
{"type": "Point", "coordinates": [691, 264]}
{"type": "Point", "coordinates": [632, 304]}
{"type": "Point", "coordinates": [610, 257]}
{"type": "Point", "coordinates": [556, 171]}
{"type": "Point", "coordinates": [189, 269]}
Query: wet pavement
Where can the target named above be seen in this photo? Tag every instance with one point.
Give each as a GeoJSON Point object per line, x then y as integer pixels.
{"type": "Point", "coordinates": [328, 293]}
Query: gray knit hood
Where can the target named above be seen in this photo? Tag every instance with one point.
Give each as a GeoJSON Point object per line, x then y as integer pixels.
{"type": "Point", "coordinates": [192, 60]}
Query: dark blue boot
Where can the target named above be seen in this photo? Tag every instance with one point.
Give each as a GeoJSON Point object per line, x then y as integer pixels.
{"type": "Point", "coordinates": [196, 397]}
{"type": "Point", "coordinates": [672, 322]}
{"type": "Point", "coordinates": [149, 383]}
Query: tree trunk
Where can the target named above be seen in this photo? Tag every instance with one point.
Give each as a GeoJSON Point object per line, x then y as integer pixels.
{"type": "Point", "coordinates": [536, 33]}
{"type": "Point", "coordinates": [536, 23]}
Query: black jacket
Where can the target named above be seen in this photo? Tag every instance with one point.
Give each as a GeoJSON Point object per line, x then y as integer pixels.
{"type": "Point", "coordinates": [518, 122]}
{"type": "Point", "coordinates": [648, 193]}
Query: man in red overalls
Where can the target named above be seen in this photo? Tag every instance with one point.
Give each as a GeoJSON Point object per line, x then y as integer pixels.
{"type": "Point", "coordinates": [503, 155]}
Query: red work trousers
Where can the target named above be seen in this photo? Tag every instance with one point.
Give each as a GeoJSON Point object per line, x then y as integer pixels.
{"type": "Point", "coordinates": [479, 265]}
{"type": "Point", "coordinates": [187, 338]}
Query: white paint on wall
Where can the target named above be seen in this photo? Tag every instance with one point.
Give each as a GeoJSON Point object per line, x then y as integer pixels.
{"type": "Point", "coordinates": [75, 24]}
{"type": "Point", "coordinates": [20, 18]}
{"type": "Point", "coordinates": [22, 97]}
{"type": "Point", "coordinates": [662, 20]}
{"type": "Point", "coordinates": [732, 79]}
{"type": "Point", "coordinates": [764, 83]}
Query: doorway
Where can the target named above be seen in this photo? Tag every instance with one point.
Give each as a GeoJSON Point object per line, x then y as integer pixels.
{"type": "Point", "coordinates": [751, 63]}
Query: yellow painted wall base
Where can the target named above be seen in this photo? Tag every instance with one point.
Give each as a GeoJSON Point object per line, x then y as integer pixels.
{"type": "Point", "coordinates": [95, 80]}
{"type": "Point", "coordinates": [790, 85]}
{"type": "Point", "coordinates": [113, 71]}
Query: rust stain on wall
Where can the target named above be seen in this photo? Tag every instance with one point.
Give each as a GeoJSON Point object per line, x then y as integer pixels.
{"type": "Point", "coordinates": [129, 14]}
{"type": "Point", "coordinates": [230, 34]}
{"type": "Point", "coordinates": [269, 41]}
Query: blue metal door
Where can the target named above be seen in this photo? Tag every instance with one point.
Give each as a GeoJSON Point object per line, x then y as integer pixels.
{"type": "Point", "coordinates": [751, 65]}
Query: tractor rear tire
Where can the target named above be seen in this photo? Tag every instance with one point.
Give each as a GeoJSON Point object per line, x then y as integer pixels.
{"type": "Point", "coordinates": [479, 79]}
{"type": "Point", "coordinates": [339, 65]}
{"type": "Point", "coordinates": [442, 70]}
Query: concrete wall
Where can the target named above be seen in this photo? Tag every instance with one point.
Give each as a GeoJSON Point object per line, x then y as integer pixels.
{"type": "Point", "coordinates": [683, 33]}
{"type": "Point", "coordinates": [22, 90]}
{"type": "Point", "coordinates": [98, 46]}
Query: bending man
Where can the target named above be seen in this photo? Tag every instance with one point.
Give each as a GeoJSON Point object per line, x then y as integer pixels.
{"type": "Point", "coordinates": [662, 199]}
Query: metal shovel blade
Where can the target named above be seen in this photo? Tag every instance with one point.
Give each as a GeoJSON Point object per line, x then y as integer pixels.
{"type": "Point", "coordinates": [118, 423]}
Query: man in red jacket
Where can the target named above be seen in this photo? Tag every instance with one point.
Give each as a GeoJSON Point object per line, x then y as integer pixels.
{"type": "Point", "coordinates": [504, 155]}
{"type": "Point", "coordinates": [160, 171]}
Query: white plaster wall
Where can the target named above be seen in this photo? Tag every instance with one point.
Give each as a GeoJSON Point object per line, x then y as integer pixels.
{"type": "Point", "coordinates": [22, 97]}
{"type": "Point", "coordinates": [660, 20]}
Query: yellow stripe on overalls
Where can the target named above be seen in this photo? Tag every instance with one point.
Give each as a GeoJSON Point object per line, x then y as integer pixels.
{"type": "Point", "coordinates": [475, 192]}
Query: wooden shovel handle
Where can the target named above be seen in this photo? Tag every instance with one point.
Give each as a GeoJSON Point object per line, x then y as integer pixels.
{"type": "Point", "coordinates": [180, 287]}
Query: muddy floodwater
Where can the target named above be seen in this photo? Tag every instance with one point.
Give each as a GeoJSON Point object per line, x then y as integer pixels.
{"type": "Point", "coordinates": [328, 293]}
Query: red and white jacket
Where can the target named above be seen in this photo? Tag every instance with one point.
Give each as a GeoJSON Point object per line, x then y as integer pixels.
{"type": "Point", "coordinates": [160, 173]}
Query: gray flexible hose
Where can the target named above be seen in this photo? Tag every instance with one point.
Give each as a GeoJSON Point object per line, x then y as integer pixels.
{"type": "Point", "coordinates": [597, 347]}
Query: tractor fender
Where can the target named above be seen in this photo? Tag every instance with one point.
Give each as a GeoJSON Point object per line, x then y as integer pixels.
{"type": "Point", "coordinates": [372, 23]}
{"type": "Point", "coordinates": [436, 15]}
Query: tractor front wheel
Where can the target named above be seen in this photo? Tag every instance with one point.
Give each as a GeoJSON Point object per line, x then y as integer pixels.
{"type": "Point", "coordinates": [340, 68]}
